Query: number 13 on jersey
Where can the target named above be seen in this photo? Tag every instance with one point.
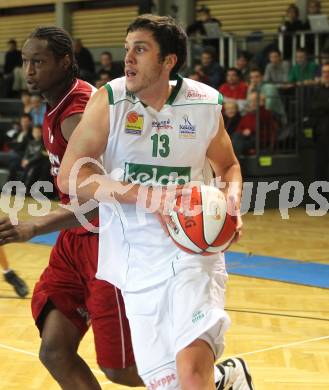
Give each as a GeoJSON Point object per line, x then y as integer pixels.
{"type": "Point", "coordinates": [160, 145]}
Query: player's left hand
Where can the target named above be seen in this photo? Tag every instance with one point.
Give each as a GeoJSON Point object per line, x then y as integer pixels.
{"type": "Point", "coordinates": [234, 209]}
{"type": "Point", "coordinates": [10, 233]}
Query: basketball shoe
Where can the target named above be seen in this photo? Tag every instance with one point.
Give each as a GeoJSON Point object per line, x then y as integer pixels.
{"type": "Point", "coordinates": [236, 375]}
{"type": "Point", "coordinates": [19, 285]}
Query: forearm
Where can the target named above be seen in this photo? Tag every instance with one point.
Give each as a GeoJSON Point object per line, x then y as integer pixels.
{"type": "Point", "coordinates": [58, 219]}
{"type": "Point", "coordinates": [89, 183]}
{"type": "Point", "coordinates": [233, 182]}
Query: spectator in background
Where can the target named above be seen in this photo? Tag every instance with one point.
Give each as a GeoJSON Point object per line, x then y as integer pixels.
{"type": "Point", "coordinates": [19, 83]}
{"type": "Point", "coordinates": [35, 162]}
{"type": "Point", "coordinates": [197, 74]}
{"type": "Point", "coordinates": [304, 70]}
{"type": "Point", "coordinates": [291, 24]}
{"type": "Point", "coordinates": [85, 61]}
{"type": "Point", "coordinates": [26, 100]}
{"type": "Point", "coordinates": [16, 145]}
{"type": "Point", "coordinates": [276, 70]}
{"type": "Point", "coordinates": [107, 65]}
{"type": "Point", "coordinates": [242, 63]}
{"type": "Point", "coordinates": [210, 71]}
{"type": "Point", "coordinates": [234, 89]}
{"type": "Point", "coordinates": [320, 120]}
{"type": "Point", "coordinates": [313, 8]}
{"type": "Point", "coordinates": [231, 116]}
{"type": "Point", "coordinates": [103, 78]}
{"type": "Point", "coordinates": [198, 31]}
{"type": "Point", "coordinates": [13, 59]}
{"type": "Point", "coordinates": [244, 138]}
{"type": "Point", "coordinates": [273, 101]}
{"type": "Point", "coordinates": [38, 110]}
{"type": "Point", "coordinates": [324, 60]}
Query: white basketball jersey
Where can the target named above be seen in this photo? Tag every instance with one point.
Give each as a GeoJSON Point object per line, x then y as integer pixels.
{"type": "Point", "coordinates": [151, 148]}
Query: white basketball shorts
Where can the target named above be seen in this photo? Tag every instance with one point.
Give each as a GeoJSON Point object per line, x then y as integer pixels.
{"type": "Point", "coordinates": [167, 317]}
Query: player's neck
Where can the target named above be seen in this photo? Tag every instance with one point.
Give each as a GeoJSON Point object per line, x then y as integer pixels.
{"type": "Point", "coordinates": [156, 95]}
{"type": "Point", "coordinates": [54, 95]}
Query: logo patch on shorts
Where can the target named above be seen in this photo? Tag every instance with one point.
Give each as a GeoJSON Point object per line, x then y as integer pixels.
{"type": "Point", "coordinates": [134, 123]}
{"type": "Point", "coordinates": [197, 316]}
{"type": "Point", "coordinates": [162, 381]}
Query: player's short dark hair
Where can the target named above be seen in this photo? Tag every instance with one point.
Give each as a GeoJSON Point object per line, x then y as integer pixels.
{"type": "Point", "coordinates": [59, 43]}
{"type": "Point", "coordinates": [170, 36]}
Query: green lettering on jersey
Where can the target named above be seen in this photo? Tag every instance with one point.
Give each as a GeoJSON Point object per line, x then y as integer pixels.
{"type": "Point", "coordinates": [156, 174]}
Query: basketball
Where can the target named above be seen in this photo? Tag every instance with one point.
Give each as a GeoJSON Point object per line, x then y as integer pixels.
{"type": "Point", "coordinates": [206, 228]}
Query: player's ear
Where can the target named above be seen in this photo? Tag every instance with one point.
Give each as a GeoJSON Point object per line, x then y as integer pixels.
{"type": "Point", "coordinates": [66, 61]}
{"type": "Point", "coordinates": [170, 61]}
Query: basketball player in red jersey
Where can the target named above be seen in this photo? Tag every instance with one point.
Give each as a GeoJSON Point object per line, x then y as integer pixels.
{"type": "Point", "coordinates": [68, 296]}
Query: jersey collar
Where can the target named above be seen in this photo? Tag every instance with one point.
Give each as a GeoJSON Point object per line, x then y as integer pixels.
{"type": "Point", "coordinates": [175, 90]}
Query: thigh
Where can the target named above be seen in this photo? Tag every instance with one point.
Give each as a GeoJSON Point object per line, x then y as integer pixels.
{"type": "Point", "coordinates": [151, 331]}
{"type": "Point", "coordinates": [198, 297]}
{"type": "Point", "coordinates": [110, 326]}
{"type": "Point", "coordinates": [58, 333]}
{"type": "Point", "coordinates": [61, 284]}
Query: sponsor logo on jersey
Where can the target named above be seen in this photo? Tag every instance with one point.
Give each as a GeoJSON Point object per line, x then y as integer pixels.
{"type": "Point", "coordinates": [194, 94]}
{"type": "Point", "coordinates": [163, 124]}
{"type": "Point", "coordinates": [197, 316]}
{"type": "Point", "coordinates": [134, 123]}
{"type": "Point", "coordinates": [187, 130]}
{"type": "Point", "coordinates": [156, 174]}
{"type": "Point", "coordinates": [55, 163]}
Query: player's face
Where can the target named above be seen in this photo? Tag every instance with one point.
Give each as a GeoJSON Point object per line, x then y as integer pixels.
{"type": "Point", "coordinates": [41, 69]}
{"type": "Point", "coordinates": [143, 65]}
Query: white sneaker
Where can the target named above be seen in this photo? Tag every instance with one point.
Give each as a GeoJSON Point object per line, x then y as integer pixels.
{"type": "Point", "coordinates": [236, 375]}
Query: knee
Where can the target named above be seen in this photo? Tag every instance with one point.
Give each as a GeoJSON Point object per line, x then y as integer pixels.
{"type": "Point", "coordinates": [124, 376]}
{"type": "Point", "coordinates": [54, 357]}
{"type": "Point", "coordinates": [192, 377]}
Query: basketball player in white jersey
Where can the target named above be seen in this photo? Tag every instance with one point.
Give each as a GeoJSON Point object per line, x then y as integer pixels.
{"type": "Point", "coordinates": [153, 133]}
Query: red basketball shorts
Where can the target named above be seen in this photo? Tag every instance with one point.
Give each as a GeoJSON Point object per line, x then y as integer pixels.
{"type": "Point", "coordinates": [69, 283]}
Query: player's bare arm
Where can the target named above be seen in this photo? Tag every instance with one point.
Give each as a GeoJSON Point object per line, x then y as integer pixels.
{"type": "Point", "coordinates": [69, 124]}
{"type": "Point", "coordinates": [25, 230]}
{"type": "Point", "coordinates": [226, 167]}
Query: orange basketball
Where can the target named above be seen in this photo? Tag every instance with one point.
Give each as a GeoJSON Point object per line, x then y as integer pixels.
{"type": "Point", "coordinates": [211, 229]}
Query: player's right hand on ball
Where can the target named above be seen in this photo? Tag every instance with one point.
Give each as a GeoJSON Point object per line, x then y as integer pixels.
{"type": "Point", "coordinates": [21, 232]}
{"type": "Point", "coordinates": [162, 201]}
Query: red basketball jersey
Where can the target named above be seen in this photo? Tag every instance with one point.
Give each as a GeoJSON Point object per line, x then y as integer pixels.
{"type": "Point", "coordinates": [73, 102]}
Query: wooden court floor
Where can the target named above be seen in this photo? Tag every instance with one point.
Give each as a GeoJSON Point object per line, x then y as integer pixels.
{"type": "Point", "coordinates": [281, 329]}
